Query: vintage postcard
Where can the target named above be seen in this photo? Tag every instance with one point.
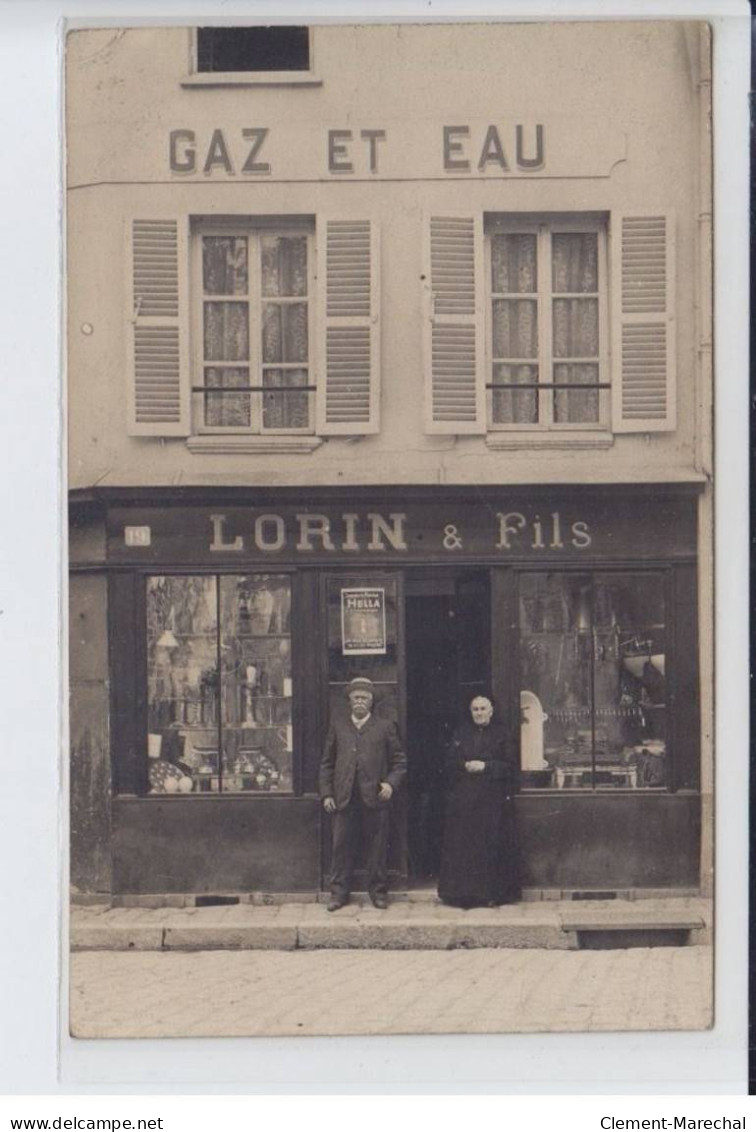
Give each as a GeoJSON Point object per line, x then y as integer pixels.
{"type": "Point", "coordinates": [391, 510]}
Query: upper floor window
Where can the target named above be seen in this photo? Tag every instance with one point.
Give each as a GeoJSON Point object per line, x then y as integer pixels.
{"type": "Point", "coordinates": [241, 341]}
{"type": "Point", "coordinates": [254, 290]}
{"type": "Point", "coordinates": [235, 49]}
{"type": "Point", "coordinates": [551, 329]}
{"type": "Point", "coordinates": [547, 318]}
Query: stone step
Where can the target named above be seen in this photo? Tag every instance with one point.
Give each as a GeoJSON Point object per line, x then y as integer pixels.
{"type": "Point", "coordinates": [403, 926]}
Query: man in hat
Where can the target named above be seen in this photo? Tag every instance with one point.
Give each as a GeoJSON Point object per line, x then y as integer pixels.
{"type": "Point", "coordinates": [363, 763]}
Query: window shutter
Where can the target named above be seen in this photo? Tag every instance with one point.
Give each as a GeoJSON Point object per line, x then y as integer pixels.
{"type": "Point", "coordinates": [455, 383]}
{"type": "Point", "coordinates": [643, 324]}
{"type": "Point", "coordinates": [159, 393]}
{"type": "Point", "coordinates": [349, 331]}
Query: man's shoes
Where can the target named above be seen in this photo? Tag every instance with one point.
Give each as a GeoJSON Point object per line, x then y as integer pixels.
{"type": "Point", "coordinates": [379, 900]}
{"type": "Point", "coordinates": [335, 903]}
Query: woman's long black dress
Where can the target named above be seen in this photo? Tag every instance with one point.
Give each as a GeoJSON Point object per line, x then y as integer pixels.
{"type": "Point", "coordinates": [479, 855]}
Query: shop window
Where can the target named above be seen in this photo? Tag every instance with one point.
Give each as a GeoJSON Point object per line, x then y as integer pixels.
{"type": "Point", "coordinates": [528, 339]}
{"type": "Point", "coordinates": [593, 681]}
{"type": "Point", "coordinates": [547, 318]}
{"type": "Point", "coordinates": [219, 684]}
{"type": "Point", "coordinates": [234, 49]}
{"type": "Point", "coordinates": [255, 366]}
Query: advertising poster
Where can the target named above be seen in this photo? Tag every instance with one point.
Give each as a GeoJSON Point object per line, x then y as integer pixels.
{"type": "Point", "coordinates": [363, 622]}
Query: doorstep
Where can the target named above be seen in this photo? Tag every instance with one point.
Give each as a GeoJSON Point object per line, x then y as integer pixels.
{"type": "Point", "coordinates": [404, 925]}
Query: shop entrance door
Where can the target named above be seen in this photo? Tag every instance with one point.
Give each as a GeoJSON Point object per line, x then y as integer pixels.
{"type": "Point", "coordinates": [448, 661]}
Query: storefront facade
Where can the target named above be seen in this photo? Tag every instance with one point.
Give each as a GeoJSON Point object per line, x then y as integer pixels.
{"type": "Point", "coordinates": [441, 420]}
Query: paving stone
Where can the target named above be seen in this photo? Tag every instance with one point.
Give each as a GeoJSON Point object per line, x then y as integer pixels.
{"type": "Point", "coordinates": [249, 993]}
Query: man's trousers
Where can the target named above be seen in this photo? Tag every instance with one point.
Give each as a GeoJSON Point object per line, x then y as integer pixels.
{"type": "Point", "coordinates": [355, 828]}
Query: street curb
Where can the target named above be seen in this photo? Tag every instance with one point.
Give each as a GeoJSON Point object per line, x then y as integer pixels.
{"type": "Point", "coordinates": [242, 937]}
{"type": "Point", "coordinates": [403, 928]}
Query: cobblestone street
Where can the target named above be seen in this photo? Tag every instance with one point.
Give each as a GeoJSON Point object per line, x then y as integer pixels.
{"type": "Point", "coordinates": [242, 994]}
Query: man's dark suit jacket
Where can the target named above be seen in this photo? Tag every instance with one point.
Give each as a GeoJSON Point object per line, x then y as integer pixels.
{"type": "Point", "coordinates": [373, 754]}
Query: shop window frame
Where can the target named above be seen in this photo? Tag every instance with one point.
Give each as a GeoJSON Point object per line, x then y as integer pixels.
{"type": "Point", "coordinates": [127, 599]}
{"type": "Point", "coordinates": [252, 228]}
{"type": "Point", "coordinates": [544, 226]}
{"type": "Point", "coordinates": [683, 766]}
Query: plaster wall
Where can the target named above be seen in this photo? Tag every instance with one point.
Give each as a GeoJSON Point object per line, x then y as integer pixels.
{"type": "Point", "coordinates": [620, 109]}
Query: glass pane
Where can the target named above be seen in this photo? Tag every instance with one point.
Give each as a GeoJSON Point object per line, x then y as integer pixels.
{"type": "Point", "coordinates": [514, 264]}
{"type": "Point", "coordinates": [285, 410]}
{"type": "Point", "coordinates": [227, 410]}
{"type": "Point", "coordinates": [576, 328]}
{"type": "Point", "coordinates": [630, 679]}
{"type": "Point", "coordinates": [582, 406]}
{"type": "Point", "coordinates": [224, 265]}
{"type": "Point", "coordinates": [344, 662]}
{"type": "Point", "coordinates": [632, 600]}
{"type": "Point", "coordinates": [630, 699]}
{"type": "Point", "coordinates": [574, 261]}
{"type": "Point", "coordinates": [509, 406]}
{"type": "Point", "coordinates": [182, 684]}
{"type": "Point", "coordinates": [284, 337]}
{"type": "Point", "coordinates": [555, 680]}
{"type": "Point", "coordinates": [284, 265]}
{"type": "Point", "coordinates": [226, 332]}
{"type": "Point", "coordinates": [257, 687]}
{"type": "Point", "coordinates": [515, 328]}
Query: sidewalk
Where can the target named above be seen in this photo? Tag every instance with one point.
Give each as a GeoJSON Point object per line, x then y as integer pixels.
{"type": "Point", "coordinates": [405, 925]}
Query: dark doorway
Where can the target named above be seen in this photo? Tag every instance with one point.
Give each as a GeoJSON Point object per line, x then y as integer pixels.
{"type": "Point", "coordinates": [447, 634]}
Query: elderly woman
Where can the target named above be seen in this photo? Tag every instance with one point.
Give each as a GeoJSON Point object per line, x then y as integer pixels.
{"type": "Point", "coordinates": [479, 863]}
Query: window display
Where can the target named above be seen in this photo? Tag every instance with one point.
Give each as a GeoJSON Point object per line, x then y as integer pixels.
{"type": "Point", "coordinates": [219, 683]}
{"type": "Point", "coordinates": [592, 680]}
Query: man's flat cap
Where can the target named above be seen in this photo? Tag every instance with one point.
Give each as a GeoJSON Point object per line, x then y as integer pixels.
{"type": "Point", "coordinates": [360, 684]}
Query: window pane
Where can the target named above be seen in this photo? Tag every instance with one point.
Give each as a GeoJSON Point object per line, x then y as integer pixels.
{"type": "Point", "coordinates": [227, 410]}
{"type": "Point", "coordinates": [343, 666]}
{"type": "Point", "coordinates": [285, 332]}
{"type": "Point", "coordinates": [555, 680]}
{"type": "Point", "coordinates": [226, 332]}
{"type": "Point", "coordinates": [581, 406]}
{"type": "Point", "coordinates": [514, 264]}
{"type": "Point", "coordinates": [253, 49]}
{"type": "Point", "coordinates": [256, 700]}
{"type": "Point", "coordinates": [574, 261]}
{"type": "Point", "coordinates": [182, 684]}
{"type": "Point", "coordinates": [630, 678]}
{"type": "Point", "coordinates": [224, 265]}
{"type": "Point", "coordinates": [515, 328]}
{"type": "Point", "coordinates": [285, 410]}
{"type": "Point", "coordinates": [575, 328]}
{"type": "Point", "coordinates": [380, 667]}
{"type": "Point", "coordinates": [514, 407]}
{"type": "Point", "coordinates": [632, 600]}
{"type": "Point", "coordinates": [284, 265]}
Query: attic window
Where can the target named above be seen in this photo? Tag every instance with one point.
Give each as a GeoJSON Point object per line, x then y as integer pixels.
{"type": "Point", "coordinates": [245, 49]}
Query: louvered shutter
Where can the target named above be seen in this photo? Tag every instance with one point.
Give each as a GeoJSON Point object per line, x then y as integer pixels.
{"type": "Point", "coordinates": [159, 394]}
{"type": "Point", "coordinates": [348, 396]}
{"type": "Point", "coordinates": [643, 324]}
{"type": "Point", "coordinates": [455, 383]}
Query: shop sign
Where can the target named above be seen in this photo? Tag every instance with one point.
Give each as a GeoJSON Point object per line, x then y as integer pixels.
{"type": "Point", "coordinates": [499, 530]}
{"type": "Point", "coordinates": [363, 621]}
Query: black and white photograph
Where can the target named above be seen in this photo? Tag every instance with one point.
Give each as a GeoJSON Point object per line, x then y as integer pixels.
{"type": "Point", "coordinates": [390, 491]}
